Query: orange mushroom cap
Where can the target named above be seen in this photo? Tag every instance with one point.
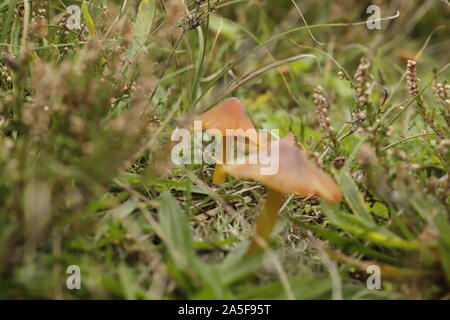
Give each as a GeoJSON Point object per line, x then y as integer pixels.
{"type": "Point", "coordinates": [290, 138]}
{"type": "Point", "coordinates": [296, 174]}
{"type": "Point", "coordinates": [230, 114]}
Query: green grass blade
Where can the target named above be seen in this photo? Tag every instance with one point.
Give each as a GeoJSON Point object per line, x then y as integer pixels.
{"type": "Point", "coordinates": [316, 288]}
{"type": "Point", "coordinates": [352, 194]}
{"type": "Point", "coordinates": [345, 243]}
{"type": "Point", "coordinates": [360, 228]}
{"type": "Point", "coordinates": [88, 18]}
{"type": "Point", "coordinates": [175, 225]}
{"type": "Point", "coordinates": [142, 26]}
{"type": "Point", "coordinates": [7, 20]}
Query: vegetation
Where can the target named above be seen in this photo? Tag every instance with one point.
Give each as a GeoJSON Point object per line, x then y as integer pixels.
{"type": "Point", "coordinates": [86, 177]}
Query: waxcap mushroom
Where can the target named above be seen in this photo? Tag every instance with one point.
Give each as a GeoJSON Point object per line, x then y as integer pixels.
{"type": "Point", "coordinates": [296, 174]}
{"type": "Point", "coordinates": [230, 114]}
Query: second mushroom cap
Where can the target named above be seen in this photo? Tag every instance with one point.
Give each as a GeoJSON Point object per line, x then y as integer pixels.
{"type": "Point", "coordinates": [296, 174]}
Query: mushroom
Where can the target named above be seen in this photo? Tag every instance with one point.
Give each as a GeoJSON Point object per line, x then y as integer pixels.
{"type": "Point", "coordinates": [230, 114]}
{"type": "Point", "coordinates": [296, 174]}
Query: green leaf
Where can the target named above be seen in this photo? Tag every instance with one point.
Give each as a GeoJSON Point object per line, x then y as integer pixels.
{"type": "Point", "coordinates": [212, 284]}
{"type": "Point", "coordinates": [344, 243]}
{"type": "Point", "coordinates": [175, 226]}
{"type": "Point", "coordinates": [199, 63]}
{"type": "Point", "coordinates": [7, 20]}
{"type": "Point", "coordinates": [238, 265]}
{"type": "Point", "coordinates": [367, 230]}
{"type": "Point", "coordinates": [226, 27]}
{"type": "Point", "coordinates": [352, 194]}
{"type": "Point", "coordinates": [122, 211]}
{"type": "Point", "coordinates": [142, 26]}
{"type": "Point", "coordinates": [87, 17]}
{"type": "Point", "coordinates": [177, 232]}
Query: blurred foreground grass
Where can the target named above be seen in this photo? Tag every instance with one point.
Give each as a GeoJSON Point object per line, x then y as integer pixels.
{"type": "Point", "coordinates": [85, 173]}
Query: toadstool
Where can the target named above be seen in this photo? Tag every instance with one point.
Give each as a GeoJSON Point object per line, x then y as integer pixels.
{"type": "Point", "coordinates": [295, 174]}
{"type": "Point", "coordinates": [229, 114]}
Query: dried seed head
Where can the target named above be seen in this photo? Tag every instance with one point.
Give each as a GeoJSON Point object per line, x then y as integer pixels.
{"type": "Point", "coordinates": [441, 92]}
{"type": "Point", "coordinates": [362, 78]}
{"type": "Point", "coordinates": [411, 78]}
{"type": "Point", "coordinates": [322, 107]}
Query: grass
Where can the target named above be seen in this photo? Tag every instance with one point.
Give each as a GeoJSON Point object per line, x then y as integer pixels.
{"type": "Point", "coordinates": [86, 177]}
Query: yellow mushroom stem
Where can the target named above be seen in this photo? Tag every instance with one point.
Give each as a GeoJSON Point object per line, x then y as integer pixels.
{"type": "Point", "coordinates": [220, 176]}
{"type": "Point", "coordinates": [266, 220]}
